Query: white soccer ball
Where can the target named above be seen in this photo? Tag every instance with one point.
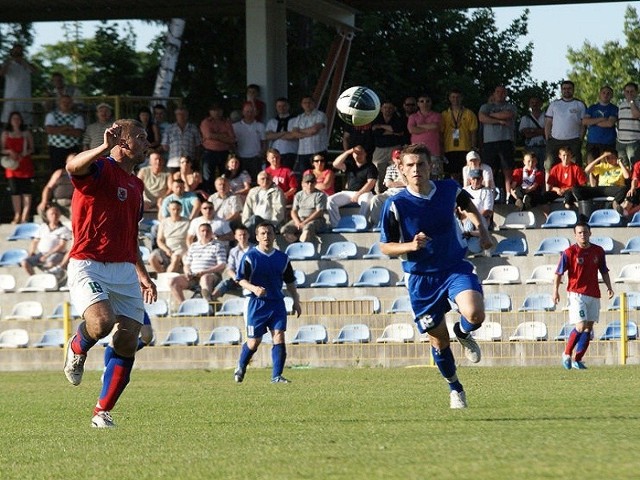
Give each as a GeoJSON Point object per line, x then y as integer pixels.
{"type": "Point", "coordinates": [358, 106]}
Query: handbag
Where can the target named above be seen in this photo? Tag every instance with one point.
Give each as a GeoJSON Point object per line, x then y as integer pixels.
{"type": "Point", "coordinates": [9, 163]}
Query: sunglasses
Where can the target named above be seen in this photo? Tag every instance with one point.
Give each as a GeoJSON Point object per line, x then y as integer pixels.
{"type": "Point", "coordinates": [206, 208]}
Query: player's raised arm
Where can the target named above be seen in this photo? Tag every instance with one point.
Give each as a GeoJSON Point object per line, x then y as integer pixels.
{"type": "Point", "coordinates": [395, 249]}
{"type": "Point", "coordinates": [81, 163]}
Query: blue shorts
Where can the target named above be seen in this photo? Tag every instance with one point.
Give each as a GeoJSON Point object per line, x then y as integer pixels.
{"type": "Point", "coordinates": [430, 293]}
{"type": "Point", "coordinates": [265, 314]}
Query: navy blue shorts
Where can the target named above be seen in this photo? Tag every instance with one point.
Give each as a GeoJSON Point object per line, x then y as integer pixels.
{"type": "Point", "coordinates": [265, 314]}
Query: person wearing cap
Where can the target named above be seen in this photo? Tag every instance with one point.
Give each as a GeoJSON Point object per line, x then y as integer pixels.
{"type": "Point", "coordinates": [393, 181]}
{"type": "Point", "coordinates": [481, 196]}
{"type": "Point", "coordinates": [474, 161]}
{"type": "Point", "coordinates": [307, 213]}
{"type": "Point", "coordinates": [93, 135]}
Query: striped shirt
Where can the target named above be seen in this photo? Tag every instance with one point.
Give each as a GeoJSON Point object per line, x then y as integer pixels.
{"type": "Point", "coordinates": [628, 127]}
{"type": "Point", "coordinates": [202, 257]}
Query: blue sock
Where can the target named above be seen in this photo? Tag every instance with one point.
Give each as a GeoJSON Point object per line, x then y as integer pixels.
{"type": "Point", "coordinates": [466, 326]}
{"type": "Point", "coordinates": [141, 344]}
{"type": "Point", "coordinates": [116, 378]}
{"type": "Point", "coordinates": [245, 356]}
{"type": "Point", "coordinates": [583, 344]}
{"type": "Point", "coordinates": [278, 357]}
{"type": "Point", "coordinates": [447, 366]}
{"type": "Point", "coordinates": [109, 353]}
{"type": "Point", "coordinates": [82, 341]}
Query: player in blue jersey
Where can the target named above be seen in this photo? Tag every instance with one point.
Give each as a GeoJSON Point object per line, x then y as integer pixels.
{"type": "Point", "coordinates": [419, 225]}
{"type": "Point", "coordinates": [262, 271]}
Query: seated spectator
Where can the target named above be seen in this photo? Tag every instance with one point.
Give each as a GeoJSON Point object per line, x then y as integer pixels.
{"type": "Point", "coordinates": [229, 284]}
{"type": "Point", "coordinates": [191, 177]}
{"type": "Point", "coordinates": [94, 134]}
{"type": "Point", "coordinates": [562, 178]}
{"type": "Point", "coordinates": [265, 203]}
{"type": "Point", "coordinates": [481, 196]}
{"type": "Point", "coordinates": [227, 206]}
{"type": "Point", "coordinates": [631, 202]}
{"type": "Point", "coordinates": [307, 214]}
{"type": "Point", "coordinates": [282, 176]}
{"type": "Point", "coordinates": [393, 183]}
{"type": "Point", "coordinates": [608, 177]}
{"type": "Point", "coordinates": [239, 180]}
{"type": "Point", "coordinates": [157, 182]}
{"type": "Point", "coordinates": [361, 178]}
{"type": "Point", "coordinates": [325, 178]}
{"type": "Point", "coordinates": [58, 191]}
{"type": "Point", "coordinates": [527, 183]}
{"type": "Point", "coordinates": [204, 263]}
{"type": "Point", "coordinates": [49, 245]}
{"type": "Point", "coordinates": [171, 240]}
{"type": "Point", "coordinates": [190, 201]}
{"type": "Point", "coordinates": [221, 230]}
{"type": "Point", "coordinates": [474, 161]}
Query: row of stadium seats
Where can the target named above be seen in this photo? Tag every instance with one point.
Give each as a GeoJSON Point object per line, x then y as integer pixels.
{"type": "Point", "coordinates": [510, 275]}
{"type": "Point", "coordinates": [605, 217]}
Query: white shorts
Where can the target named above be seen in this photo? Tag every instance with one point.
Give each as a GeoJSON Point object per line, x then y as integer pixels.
{"type": "Point", "coordinates": [583, 308]}
{"type": "Point", "coordinates": [91, 281]}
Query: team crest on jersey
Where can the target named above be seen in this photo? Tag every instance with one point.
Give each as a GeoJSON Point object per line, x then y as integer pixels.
{"type": "Point", "coordinates": [580, 260]}
{"type": "Point", "coordinates": [122, 194]}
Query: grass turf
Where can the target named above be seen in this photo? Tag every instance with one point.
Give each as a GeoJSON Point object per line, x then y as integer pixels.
{"type": "Point", "coordinates": [524, 423]}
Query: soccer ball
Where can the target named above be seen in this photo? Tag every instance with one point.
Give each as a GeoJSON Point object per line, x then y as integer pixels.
{"type": "Point", "coordinates": [358, 106]}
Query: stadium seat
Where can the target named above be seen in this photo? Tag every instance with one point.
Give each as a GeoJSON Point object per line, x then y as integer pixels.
{"type": "Point", "coordinates": [632, 245]}
{"type": "Point", "coordinates": [530, 330]}
{"type": "Point", "coordinates": [332, 277]}
{"type": "Point", "coordinates": [630, 273]}
{"type": "Point", "coordinates": [267, 338]}
{"type": "Point", "coordinates": [24, 231]}
{"type": "Point", "coordinates": [488, 332]}
{"type": "Point", "coordinates": [51, 338]}
{"type": "Point", "coordinates": [144, 253]}
{"type": "Point", "coordinates": [159, 308]}
{"type": "Point", "coordinates": [310, 334]}
{"type": "Point", "coordinates": [497, 302]}
{"type": "Point", "coordinates": [14, 338]}
{"type": "Point", "coordinates": [351, 224]}
{"type": "Point", "coordinates": [288, 304]}
{"type": "Point", "coordinates": [7, 282]}
{"type": "Point", "coordinates": [401, 305]}
{"type": "Point", "coordinates": [163, 281]}
{"type": "Point", "coordinates": [635, 220]}
{"type": "Point", "coordinates": [602, 241]}
{"type": "Point", "coordinates": [542, 274]}
{"type": "Point", "coordinates": [340, 251]}
{"type": "Point", "coordinates": [40, 282]}
{"type": "Point", "coordinates": [13, 256]}
{"type": "Point", "coordinates": [104, 341]}
{"type": "Point", "coordinates": [322, 298]}
{"type": "Point", "coordinates": [375, 302]}
{"type": "Point", "coordinates": [561, 219]}
{"type": "Point", "coordinates": [519, 221]}
{"type": "Point", "coordinates": [397, 333]}
{"type": "Point", "coordinates": [301, 251]}
{"type": "Point", "coordinates": [353, 333]}
{"type": "Point", "coordinates": [503, 275]}
{"type": "Point", "coordinates": [375, 253]}
{"type": "Point", "coordinates": [552, 246]}
{"type": "Point", "coordinates": [182, 336]}
{"type": "Point", "coordinates": [565, 330]}
{"type": "Point", "coordinates": [473, 247]}
{"type": "Point", "coordinates": [511, 247]}
{"type": "Point", "coordinates": [29, 309]}
{"type": "Point", "coordinates": [633, 301]}
{"type": "Point", "coordinates": [538, 302]}
{"type": "Point", "coordinates": [605, 217]}
{"type": "Point", "coordinates": [193, 307]}
{"type": "Point", "coordinates": [58, 312]}
{"type": "Point", "coordinates": [301, 278]}
{"type": "Point", "coordinates": [612, 332]}
{"type": "Point", "coordinates": [374, 277]}
{"type": "Point", "coordinates": [232, 307]}
{"type": "Point", "coordinates": [224, 336]}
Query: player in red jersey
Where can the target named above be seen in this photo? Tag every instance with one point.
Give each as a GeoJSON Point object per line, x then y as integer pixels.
{"type": "Point", "coordinates": [582, 261]}
{"type": "Point", "coordinates": [107, 278]}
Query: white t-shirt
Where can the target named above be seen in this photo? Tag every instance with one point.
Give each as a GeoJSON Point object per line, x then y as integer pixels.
{"type": "Point", "coordinates": [567, 118]}
{"type": "Point", "coordinates": [49, 239]}
{"type": "Point", "coordinates": [249, 137]}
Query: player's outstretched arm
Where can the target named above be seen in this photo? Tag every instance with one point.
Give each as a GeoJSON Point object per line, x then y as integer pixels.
{"type": "Point", "coordinates": [395, 249]}
{"type": "Point", "coordinates": [81, 163]}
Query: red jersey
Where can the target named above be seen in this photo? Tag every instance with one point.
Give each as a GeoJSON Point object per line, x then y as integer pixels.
{"type": "Point", "coordinates": [583, 265]}
{"type": "Point", "coordinates": [284, 178]}
{"type": "Point", "coordinates": [565, 177]}
{"type": "Point", "coordinates": [106, 208]}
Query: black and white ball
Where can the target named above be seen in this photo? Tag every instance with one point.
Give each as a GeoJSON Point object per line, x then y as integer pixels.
{"type": "Point", "coordinates": [358, 106]}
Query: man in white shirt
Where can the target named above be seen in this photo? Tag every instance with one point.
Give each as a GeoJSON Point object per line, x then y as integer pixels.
{"type": "Point", "coordinates": [279, 136]}
{"type": "Point", "coordinates": [310, 128]}
{"type": "Point", "coordinates": [250, 138]}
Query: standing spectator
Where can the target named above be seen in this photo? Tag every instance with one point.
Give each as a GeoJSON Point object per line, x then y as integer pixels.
{"type": "Point", "coordinates": [265, 203]}
{"type": "Point", "coordinates": [190, 201]}
{"type": "Point", "coordinates": [527, 183]}
{"type": "Point", "coordinates": [393, 182]}
{"type": "Point", "coordinates": [424, 127]}
{"type": "Point", "coordinates": [262, 271]}
{"type": "Point", "coordinates": [278, 133]}
{"type": "Point", "coordinates": [459, 130]}
{"type": "Point", "coordinates": [241, 235]}
{"type": "Point", "coordinates": [562, 178]}
{"type": "Point", "coordinates": [532, 129]}
{"type": "Point", "coordinates": [181, 138]}
{"type": "Point", "coordinates": [160, 118]}
{"type": "Point", "coordinates": [609, 176]}
{"type": "Point", "coordinates": [94, 133]}
{"type": "Point", "coordinates": [58, 191]}
{"type": "Point", "coordinates": [64, 132]}
{"type": "Point", "coordinates": [283, 177]}
{"type": "Point", "coordinates": [600, 120]}
{"type": "Point", "coordinates": [171, 240]}
{"type": "Point", "coordinates": [325, 177]}
{"type": "Point", "coordinates": [217, 139]}
{"type": "Point", "coordinates": [239, 179]}
{"type": "Point", "coordinates": [60, 88]}
{"type": "Point", "coordinates": [409, 107]}
{"type": "Point", "coordinates": [227, 206]}
{"type": "Point", "coordinates": [310, 128]}
{"type": "Point", "coordinates": [582, 261]}
{"type": "Point", "coordinates": [253, 97]}
{"type": "Point", "coordinates": [17, 144]}
{"type": "Point", "coordinates": [220, 229]}
{"type": "Point", "coordinates": [628, 141]}
{"type": "Point", "coordinates": [157, 182]}
{"type": "Point", "coordinates": [17, 71]}
{"type": "Point", "coordinates": [250, 136]}
{"type": "Point", "coordinates": [498, 119]}
{"type": "Point", "coordinates": [388, 133]}
{"type": "Point", "coordinates": [563, 125]}
{"type": "Point", "coordinates": [361, 178]}
{"type": "Point", "coordinates": [307, 214]}
{"type": "Point", "coordinates": [153, 131]}
{"type": "Point", "coordinates": [49, 245]}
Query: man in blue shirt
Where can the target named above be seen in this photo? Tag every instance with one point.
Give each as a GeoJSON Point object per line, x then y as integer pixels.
{"type": "Point", "coordinates": [600, 120]}
{"type": "Point", "coordinates": [419, 224]}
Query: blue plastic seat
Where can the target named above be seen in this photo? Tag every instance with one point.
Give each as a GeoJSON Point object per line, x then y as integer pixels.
{"type": "Point", "coordinates": [340, 251]}
{"type": "Point", "coordinates": [375, 253]}
{"type": "Point", "coordinates": [58, 312]}
{"type": "Point", "coordinates": [14, 338]}
{"type": "Point", "coordinates": [397, 333]}
{"type": "Point", "coordinates": [538, 302]}
{"type": "Point", "coordinates": [301, 278]}
{"type": "Point", "coordinates": [353, 333]}
{"type": "Point", "coordinates": [401, 305]}
{"type": "Point", "coordinates": [351, 224]}
{"type": "Point", "coordinates": [301, 251]}
{"type": "Point", "coordinates": [605, 217]}
{"type": "Point", "coordinates": [635, 220]}
{"type": "Point", "coordinates": [543, 274]}
{"type": "Point", "coordinates": [374, 277]}
{"type": "Point", "coordinates": [497, 302]}
{"type": "Point", "coordinates": [513, 246]}
{"type": "Point", "coordinates": [530, 330]}
{"type": "Point", "coordinates": [13, 256]}
{"type": "Point", "coordinates": [193, 307]}
{"type": "Point", "coordinates": [24, 231]}
{"type": "Point", "coordinates": [629, 273]}
{"type": "Point", "coordinates": [332, 277]}
{"type": "Point", "coordinates": [612, 332]}
{"type": "Point", "coordinates": [633, 301]}
{"type": "Point", "coordinates": [561, 219]}
{"type": "Point", "coordinates": [565, 331]}
{"type": "Point", "coordinates": [311, 334]}
{"type": "Point", "coordinates": [224, 336]}
{"type": "Point", "coordinates": [605, 242]}
{"type": "Point", "coordinates": [552, 246]}
{"type": "Point", "coordinates": [503, 275]}
{"type": "Point", "coordinates": [632, 246]}
{"type": "Point", "coordinates": [144, 253]}
{"type": "Point", "coordinates": [519, 221]}
{"type": "Point", "coordinates": [182, 336]}
{"type": "Point", "coordinates": [51, 338]}
{"type": "Point", "coordinates": [233, 306]}
{"type": "Point", "coordinates": [159, 308]}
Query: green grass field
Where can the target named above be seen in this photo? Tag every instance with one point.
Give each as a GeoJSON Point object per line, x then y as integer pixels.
{"type": "Point", "coordinates": [523, 423]}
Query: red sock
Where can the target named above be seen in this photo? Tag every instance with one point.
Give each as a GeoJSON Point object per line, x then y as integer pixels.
{"type": "Point", "coordinates": [571, 343]}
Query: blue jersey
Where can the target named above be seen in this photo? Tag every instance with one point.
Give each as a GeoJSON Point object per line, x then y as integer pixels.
{"type": "Point", "coordinates": [407, 213]}
{"type": "Point", "coordinates": [267, 270]}
{"type": "Point", "coordinates": [602, 135]}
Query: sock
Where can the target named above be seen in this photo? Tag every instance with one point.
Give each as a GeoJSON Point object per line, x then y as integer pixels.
{"type": "Point", "coordinates": [245, 356]}
{"type": "Point", "coordinates": [109, 353]}
{"type": "Point", "coordinates": [82, 341]}
{"type": "Point", "coordinates": [447, 366]}
{"type": "Point", "coordinates": [465, 326]}
{"type": "Point", "coordinates": [583, 344]}
{"type": "Point", "coordinates": [278, 357]}
{"type": "Point", "coordinates": [571, 343]}
{"type": "Point", "coordinates": [116, 378]}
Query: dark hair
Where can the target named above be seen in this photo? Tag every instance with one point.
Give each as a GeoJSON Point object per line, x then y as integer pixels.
{"type": "Point", "coordinates": [274, 151]}
{"type": "Point", "coordinates": [265, 225]}
{"type": "Point", "coordinates": [631, 84]}
{"type": "Point", "coordinates": [568, 82]}
{"type": "Point", "coordinates": [8, 127]}
{"type": "Point", "coordinates": [531, 153]}
{"type": "Point", "coordinates": [282, 99]}
{"type": "Point", "coordinates": [416, 149]}
{"type": "Point", "coordinates": [159, 106]}
{"type": "Point", "coordinates": [582, 223]}
{"type": "Point", "coordinates": [241, 227]}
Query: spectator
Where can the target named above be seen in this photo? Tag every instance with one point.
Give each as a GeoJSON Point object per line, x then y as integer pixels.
{"type": "Point", "coordinates": [239, 179]}
{"type": "Point", "coordinates": [307, 214]}
{"type": "Point", "coordinates": [171, 240]}
{"type": "Point", "coordinates": [310, 128]}
{"type": "Point", "coordinates": [459, 134]}
{"type": "Point", "coordinates": [157, 182]}
{"type": "Point", "coordinates": [190, 175]}
{"type": "Point", "coordinates": [393, 182]}
{"type": "Point", "coordinates": [58, 191]}
{"type": "Point", "coordinates": [409, 107]}
{"type": "Point", "coordinates": [241, 235]}
{"type": "Point", "coordinates": [227, 207]}
{"type": "Point", "coordinates": [17, 145]}
{"type": "Point", "coordinates": [253, 97]}
{"type": "Point", "coordinates": [17, 71]}
{"type": "Point", "coordinates": [481, 196]}
{"type": "Point", "coordinates": [181, 138]}
{"type": "Point", "coordinates": [94, 134]}
{"type": "Point", "coordinates": [278, 133]}
{"type": "Point", "coordinates": [64, 132]}
{"type": "Point", "coordinates": [475, 162]}
{"type": "Point", "coordinates": [353, 135]}
{"type": "Point", "coordinates": [388, 133]}
{"type": "Point", "coordinates": [532, 129]}
{"type": "Point", "coordinates": [361, 178]}
{"type": "Point", "coordinates": [217, 139]}
{"type": "Point", "coordinates": [49, 245]}
{"type": "Point", "coordinates": [600, 120]}
{"type": "Point", "coordinates": [204, 263]}
{"type": "Point", "coordinates": [563, 125]}
{"type": "Point", "coordinates": [154, 137]}
{"type": "Point", "coordinates": [325, 177]}
{"type": "Point", "coordinates": [527, 183]}
{"type": "Point", "coordinates": [283, 177]}
{"type": "Point", "coordinates": [58, 89]}
{"type": "Point", "coordinates": [562, 178]}
{"type": "Point", "coordinates": [160, 118]}
{"type": "Point", "coordinates": [220, 229]}
{"type": "Point", "coordinates": [608, 178]}
{"type": "Point", "coordinates": [265, 203]}
{"type": "Point", "coordinates": [190, 201]}
{"type": "Point", "coordinates": [424, 127]}
{"type": "Point", "coordinates": [250, 136]}
{"type": "Point", "coordinates": [628, 141]}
